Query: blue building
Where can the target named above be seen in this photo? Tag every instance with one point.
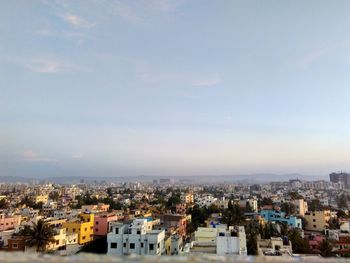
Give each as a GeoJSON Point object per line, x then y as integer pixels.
{"type": "Point", "coordinates": [277, 216]}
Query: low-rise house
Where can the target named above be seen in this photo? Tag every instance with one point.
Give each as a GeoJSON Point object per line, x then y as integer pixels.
{"type": "Point", "coordinates": [275, 246]}
{"type": "Point", "coordinates": [9, 222]}
{"type": "Point", "coordinates": [278, 216]}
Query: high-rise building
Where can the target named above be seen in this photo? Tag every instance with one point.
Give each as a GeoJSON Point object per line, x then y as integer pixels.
{"type": "Point", "coordinates": [341, 177]}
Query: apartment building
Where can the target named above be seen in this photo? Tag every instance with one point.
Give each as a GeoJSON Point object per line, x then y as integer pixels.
{"type": "Point", "coordinates": [317, 220]}
{"type": "Point", "coordinates": [83, 226]}
{"type": "Point", "coordinates": [101, 223]}
{"type": "Point", "coordinates": [9, 222]}
{"type": "Point", "coordinates": [135, 238]}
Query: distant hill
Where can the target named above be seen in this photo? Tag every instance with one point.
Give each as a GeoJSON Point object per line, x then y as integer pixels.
{"type": "Point", "coordinates": [244, 178]}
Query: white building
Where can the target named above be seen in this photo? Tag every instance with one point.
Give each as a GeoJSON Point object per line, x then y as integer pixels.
{"type": "Point", "coordinates": [136, 238]}
{"type": "Point", "coordinates": [206, 201]}
{"type": "Point", "coordinates": [231, 242]}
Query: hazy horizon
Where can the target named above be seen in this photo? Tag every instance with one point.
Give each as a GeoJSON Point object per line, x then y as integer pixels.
{"type": "Point", "coordinates": [163, 87]}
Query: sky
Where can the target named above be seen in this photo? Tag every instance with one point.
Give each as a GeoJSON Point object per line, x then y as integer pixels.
{"type": "Point", "coordinates": [161, 87]}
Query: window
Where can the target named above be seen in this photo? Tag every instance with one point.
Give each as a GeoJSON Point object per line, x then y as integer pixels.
{"type": "Point", "coordinates": [124, 245]}
{"type": "Point", "coordinates": [84, 237]}
{"type": "Point", "coordinates": [313, 220]}
{"type": "Point", "coordinates": [85, 228]}
{"type": "Point", "coordinates": [96, 222]}
{"type": "Point", "coordinates": [117, 230]}
{"type": "Point", "coordinates": [132, 245]}
{"type": "Point", "coordinates": [113, 245]}
{"type": "Point", "coordinates": [96, 229]}
{"type": "Point", "coordinates": [138, 232]}
{"type": "Point", "coordinates": [73, 229]}
{"type": "Point", "coordinates": [15, 245]}
{"type": "Point", "coordinates": [151, 246]}
{"type": "Point", "coordinates": [314, 226]}
{"type": "Point", "coordinates": [142, 244]}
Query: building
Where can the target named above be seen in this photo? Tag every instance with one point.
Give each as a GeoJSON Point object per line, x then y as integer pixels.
{"type": "Point", "coordinates": [275, 246]}
{"type": "Point", "coordinates": [317, 220]}
{"type": "Point", "coordinates": [9, 222]}
{"type": "Point", "coordinates": [173, 245]}
{"type": "Point", "coordinates": [175, 222]}
{"type": "Point", "coordinates": [59, 240]}
{"type": "Point", "coordinates": [278, 216]}
{"type": "Point", "coordinates": [17, 243]}
{"type": "Point", "coordinates": [101, 223]}
{"type": "Point", "coordinates": [135, 238]}
{"type": "Point", "coordinates": [187, 198]}
{"type": "Point", "coordinates": [83, 226]}
{"type": "Point", "coordinates": [48, 208]}
{"type": "Point", "coordinates": [340, 177]}
{"type": "Point", "coordinates": [41, 199]}
{"type": "Point", "coordinates": [94, 208]}
{"type": "Point", "coordinates": [231, 242]}
{"type": "Point", "coordinates": [301, 206]}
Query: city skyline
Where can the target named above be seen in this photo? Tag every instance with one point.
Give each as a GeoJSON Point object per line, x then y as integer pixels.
{"type": "Point", "coordinates": [102, 88]}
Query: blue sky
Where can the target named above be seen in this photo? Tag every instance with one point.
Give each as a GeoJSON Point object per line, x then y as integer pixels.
{"type": "Point", "coordinates": [161, 87]}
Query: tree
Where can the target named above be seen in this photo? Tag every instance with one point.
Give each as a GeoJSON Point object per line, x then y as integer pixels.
{"type": "Point", "coordinates": [54, 196]}
{"type": "Point", "coordinates": [39, 236]}
{"type": "Point", "coordinates": [233, 216]}
{"type": "Point", "coordinates": [248, 208]}
{"type": "Point", "coordinates": [342, 201]}
{"type": "Point", "coordinates": [326, 248]}
{"type": "Point", "coordinates": [288, 208]}
{"type": "Point", "coordinates": [3, 203]}
{"type": "Point", "coordinates": [252, 232]}
{"type": "Point", "coordinates": [295, 195]}
{"type": "Point", "coordinates": [333, 223]}
{"type": "Point", "coordinates": [315, 205]}
{"type": "Point", "coordinates": [299, 245]}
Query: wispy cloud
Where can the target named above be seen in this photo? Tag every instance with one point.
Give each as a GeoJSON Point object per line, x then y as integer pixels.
{"type": "Point", "coordinates": [77, 21]}
{"type": "Point", "coordinates": [211, 81]}
{"type": "Point", "coordinates": [146, 74]}
{"type": "Point", "coordinates": [43, 65]}
{"type": "Point", "coordinates": [30, 155]}
{"type": "Point", "coordinates": [126, 12]}
{"type": "Point", "coordinates": [78, 156]}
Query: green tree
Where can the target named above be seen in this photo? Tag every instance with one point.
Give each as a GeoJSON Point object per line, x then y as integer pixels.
{"type": "Point", "coordinates": [315, 205]}
{"type": "Point", "coordinates": [288, 208]}
{"type": "Point", "coordinates": [40, 235]}
{"type": "Point", "coordinates": [326, 248]}
{"type": "Point", "coordinates": [3, 203]}
{"type": "Point", "coordinates": [252, 232]}
{"type": "Point", "coordinates": [54, 196]}
{"type": "Point", "coordinates": [342, 201]}
{"type": "Point", "coordinates": [299, 244]}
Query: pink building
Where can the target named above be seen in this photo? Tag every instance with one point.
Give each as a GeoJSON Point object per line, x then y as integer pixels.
{"type": "Point", "coordinates": [9, 222]}
{"type": "Point", "coordinates": [101, 223]}
{"type": "Point", "coordinates": [314, 241]}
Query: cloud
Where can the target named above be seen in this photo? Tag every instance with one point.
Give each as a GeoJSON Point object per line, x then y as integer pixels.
{"type": "Point", "coordinates": [146, 74]}
{"type": "Point", "coordinates": [125, 12]}
{"type": "Point", "coordinates": [207, 82]}
{"type": "Point", "coordinates": [43, 65]}
{"type": "Point", "coordinates": [30, 155]}
{"type": "Point", "coordinates": [78, 156]}
{"type": "Point", "coordinates": [77, 21]}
